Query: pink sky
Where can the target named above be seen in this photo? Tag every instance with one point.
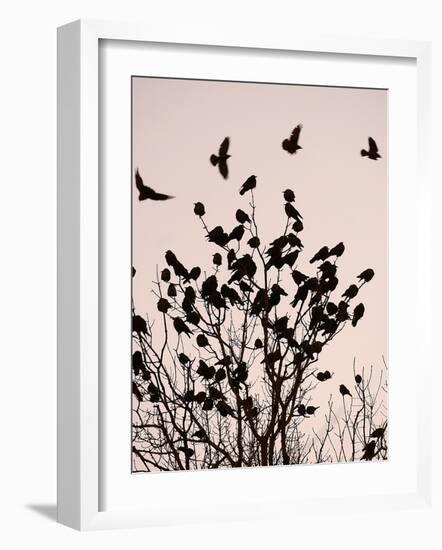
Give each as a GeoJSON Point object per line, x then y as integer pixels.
{"type": "Point", "coordinates": [177, 124]}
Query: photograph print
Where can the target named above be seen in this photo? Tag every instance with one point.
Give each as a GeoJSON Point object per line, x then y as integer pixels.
{"type": "Point", "coordinates": [259, 274]}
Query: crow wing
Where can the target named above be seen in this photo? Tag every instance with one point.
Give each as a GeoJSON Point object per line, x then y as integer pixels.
{"type": "Point", "coordinates": [223, 168]}
{"type": "Point", "coordinates": [372, 145]}
{"type": "Point", "coordinates": [139, 181]}
{"type": "Point", "coordinates": [295, 134]}
{"type": "Point", "coordinates": [224, 147]}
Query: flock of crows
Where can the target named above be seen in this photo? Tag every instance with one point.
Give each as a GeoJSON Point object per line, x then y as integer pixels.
{"type": "Point", "coordinates": [220, 160]}
{"type": "Point", "coordinates": [243, 270]}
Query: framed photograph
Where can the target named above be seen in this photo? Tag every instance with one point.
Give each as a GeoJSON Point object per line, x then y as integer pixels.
{"type": "Point", "coordinates": [235, 227]}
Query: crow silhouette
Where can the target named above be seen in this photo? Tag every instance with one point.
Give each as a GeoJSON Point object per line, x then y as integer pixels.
{"type": "Point", "coordinates": [357, 314]}
{"type": "Point", "coordinates": [199, 209]}
{"type": "Point", "coordinates": [291, 144]}
{"type": "Point", "coordinates": [237, 233]}
{"type": "Point", "coordinates": [337, 250]}
{"type": "Point", "coordinates": [139, 324]}
{"type": "Point", "coordinates": [372, 152]}
{"type": "Point", "coordinates": [254, 242]}
{"type": "Point", "coordinates": [180, 326]}
{"type": "Point", "coordinates": [137, 362]}
{"type": "Point", "coordinates": [369, 451]}
{"type": "Point", "coordinates": [230, 294]}
{"type": "Point", "coordinates": [291, 211]}
{"type": "Point", "coordinates": [367, 275]}
{"type": "Point", "coordinates": [242, 267]}
{"type": "Point", "coordinates": [322, 254]}
{"type": "Point", "coordinates": [179, 269]}
{"type": "Point", "coordinates": [147, 192]}
{"type": "Point", "coordinates": [241, 216]}
{"type": "Point", "coordinates": [358, 379]}
{"type": "Point", "coordinates": [165, 275]}
{"type": "Point", "coordinates": [183, 359]}
{"type": "Point", "coordinates": [218, 236]}
{"type": "Point", "coordinates": [351, 292]}
{"type": "Point", "coordinates": [163, 305]}
{"type": "Point", "coordinates": [221, 158]}
{"type": "Point", "coordinates": [248, 185]}
{"type": "Point", "coordinates": [202, 341]}
{"type": "Point", "coordinates": [344, 390]}
{"type": "Point", "coordinates": [217, 259]}
{"type": "Point", "coordinates": [194, 273]}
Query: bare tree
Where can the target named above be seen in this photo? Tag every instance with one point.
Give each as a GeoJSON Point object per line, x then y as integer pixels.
{"type": "Point", "coordinates": [232, 377]}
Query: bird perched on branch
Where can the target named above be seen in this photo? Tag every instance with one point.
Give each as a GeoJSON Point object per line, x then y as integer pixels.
{"type": "Point", "coordinates": [358, 313]}
{"type": "Point", "coordinates": [337, 250]}
{"type": "Point", "coordinates": [220, 160]}
{"type": "Point", "coordinates": [291, 144]}
{"type": "Point", "coordinates": [344, 390]}
{"type": "Point", "coordinates": [147, 192]}
{"type": "Point", "coordinates": [179, 269]}
{"type": "Point", "coordinates": [180, 326]}
{"type": "Point", "coordinates": [367, 275]}
{"type": "Point", "coordinates": [241, 216]}
{"type": "Point", "coordinates": [322, 254]}
{"type": "Point", "coordinates": [351, 292]}
{"type": "Point", "coordinates": [372, 152]}
{"type": "Point", "coordinates": [248, 185]}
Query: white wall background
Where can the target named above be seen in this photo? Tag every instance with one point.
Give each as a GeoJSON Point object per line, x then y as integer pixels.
{"type": "Point", "coordinates": [28, 260]}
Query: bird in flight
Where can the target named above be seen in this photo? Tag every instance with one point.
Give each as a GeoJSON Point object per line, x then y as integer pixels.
{"type": "Point", "coordinates": [372, 152]}
{"type": "Point", "coordinates": [291, 144]}
{"type": "Point", "coordinates": [147, 192]}
{"type": "Point", "coordinates": [220, 160]}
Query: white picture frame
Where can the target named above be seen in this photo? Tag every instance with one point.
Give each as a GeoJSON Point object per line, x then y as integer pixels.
{"type": "Point", "coordinates": [80, 263]}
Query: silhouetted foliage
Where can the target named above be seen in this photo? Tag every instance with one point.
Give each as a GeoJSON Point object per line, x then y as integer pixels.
{"type": "Point", "coordinates": [234, 377]}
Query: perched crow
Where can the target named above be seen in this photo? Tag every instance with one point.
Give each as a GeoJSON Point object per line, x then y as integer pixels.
{"type": "Point", "coordinates": [193, 317]}
{"type": "Point", "coordinates": [147, 192]}
{"type": "Point", "coordinates": [294, 241]}
{"type": "Point", "coordinates": [180, 326]}
{"type": "Point", "coordinates": [258, 302]}
{"type": "Point", "coordinates": [372, 152]}
{"type": "Point", "coordinates": [291, 144]}
{"type": "Point", "coordinates": [217, 259]}
{"type": "Point", "coordinates": [358, 313]}
{"type": "Point", "coordinates": [202, 341]}
{"type": "Point", "coordinates": [242, 267]}
{"type": "Point", "coordinates": [179, 269]}
{"type": "Point", "coordinates": [358, 379]}
{"type": "Point", "coordinates": [369, 451]}
{"type": "Point", "coordinates": [258, 343]}
{"type": "Point", "coordinates": [224, 409]}
{"type": "Point", "coordinates": [221, 158]}
{"type": "Point", "coordinates": [220, 375]}
{"type": "Point", "coordinates": [199, 209]}
{"type": "Point", "coordinates": [137, 362]}
{"type": "Point", "coordinates": [301, 409]}
{"type": "Point", "coordinates": [165, 275]}
{"type": "Point", "coordinates": [184, 360]}
{"type": "Point", "coordinates": [171, 291]}
{"type": "Point", "coordinates": [311, 410]}
{"type": "Point", "coordinates": [291, 211]}
{"type": "Point", "coordinates": [215, 393]}
{"type": "Point", "coordinates": [218, 236]}
{"type": "Point", "coordinates": [231, 294]}
{"type": "Point", "coordinates": [298, 277]}
{"type": "Point", "coordinates": [298, 226]}
{"type": "Point", "coordinates": [377, 433]}
{"type": "Point", "coordinates": [163, 305]}
{"type": "Point", "coordinates": [194, 273]}
{"type": "Point", "coordinates": [231, 257]}
{"type": "Point", "coordinates": [241, 216]}
{"type": "Point", "coordinates": [288, 195]}
{"type": "Point", "coordinates": [237, 233]}
{"type": "Point", "coordinates": [209, 286]}
{"type": "Point", "coordinates": [351, 292]}
{"type": "Point", "coordinates": [254, 242]}
{"type": "Point", "coordinates": [367, 275]}
{"type": "Point", "coordinates": [139, 324]}
{"type": "Point", "coordinates": [248, 185]}
{"type": "Point", "coordinates": [205, 371]}
{"type": "Point", "coordinates": [322, 254]}
{"type": "Point", "coordinates": [275, 296]}
{"type": "Point", "coordinates": [337, 250]}
{"type": "Point", "coordinates": [344, 390]}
